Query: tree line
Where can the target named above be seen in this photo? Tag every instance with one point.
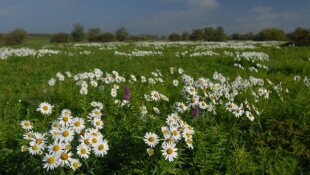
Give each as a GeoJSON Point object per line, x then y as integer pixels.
{"type": "Point", "coordinates": [299, 37]}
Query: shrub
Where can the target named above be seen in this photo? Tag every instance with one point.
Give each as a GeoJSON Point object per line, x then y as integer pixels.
{"type": "Point", "coordinates": [60, 38]}
{"type": "Point", "coordinates": [197, 35]}
{"type": "Point", "coordinates": [238, 36]}
{"type": "Point", "coordinates": [1, 38]}
{"type": "Point", "coordinates": [185, 36]}
{"type": "Point", "coordinates": [107, 37]}
{"type": "Point", "coordinates": [270, 34]}
{"type": "Point", "coordinates": [17, 36]}
{"type": "Point", "coordinates": [78, 33]}
{"type": "Point", "coordinates": [174, 37]}
{"type": "Point", "coordinates": [94, 34]}
{"type": "Point", "coordinates": [300, 37]}
{"type": "Point", "coordinates": [121, 34]}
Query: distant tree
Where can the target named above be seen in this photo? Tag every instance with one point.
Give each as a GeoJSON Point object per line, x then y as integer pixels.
{"type": "Point", "coordinates": [174, 37]}
{"type": "Point", "coordinates": [270, 34]}
{"type": "Point", "coordinates": [17, 36]}
{"type": "Point", "coordinates": [209, 34]}
{"type": "Point", "coordinates": [220, 34]}
{"type": "Point", "coordinates": [238, 36]}
{"type": "Point", "coordinates": [107, 37]}
{"type": "Point", "coordinates": [197, 35]}
{"type": "Point", "coordinates": [93, 34]}
{"type": "Point", "coordinates": [1, 38]}
{"type": "Point", "coordinates": [121, 34]}
{"type": "Point", "coordinates": [78, 33]}
{"type": "Point", "coordinates": [185, 36]}
{"type": "Point", "coordinates": [300, 37]}
{"type": "Point", "coordinates": [60, 38]}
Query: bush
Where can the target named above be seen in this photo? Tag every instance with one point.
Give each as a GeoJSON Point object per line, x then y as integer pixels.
{"type": "Point", "coordinates": [197, 35]}
{"type": "Point", "coordinates": [238, 36]}
{"type": "Point", "coordinates": [17, 36]}
{"type": "Point", "coordinates": [60, 38]}
{"type": "Point", "coordinates": [270, 34]}
{"type": "Point", "coordinates": [300, 37]}
{"type": "Point", "coordinates": [174, 37]}
{"type": "Point", "coordinates": [78, 33]}
{"type": "Point", "coordinates": [94, 34]}
{"type": "Point", "coordinates": [122, 34]}
{"type": "Point", "coordinates": [107, 37]}
{"type": "Point", "coordinates": [185, 36]}
{"type": "Point", "coordinates": [1, 38]}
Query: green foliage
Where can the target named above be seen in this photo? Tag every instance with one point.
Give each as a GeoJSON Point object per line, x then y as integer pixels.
{"type": "Point", "coordinates": [93, 34]}
{"type": "Point", "coordinates": [270, 34]}
{"type": "Point", "coordinates": [78, 33]}
{"type": "Point", "coordinates": [300, 37]}
{"type": "Point", "coordinates": [121, 34]}
{"type": "Point", "coordinates": [17, 36]}
{"type": "Point", "coordinates": [197, 35]}
{"type": "Point", "coordinates": [238, 36]}
{"type": "Point", "coordinates": [277, 142]}
{"type": "Point", "coordinates": [107, 37]}
{"type": "Point", "coordinates": [185, 36]}
{"type": "Point", "coordinates": [174, 37]}
{"type": "Point", "coordinates": [60, 38]}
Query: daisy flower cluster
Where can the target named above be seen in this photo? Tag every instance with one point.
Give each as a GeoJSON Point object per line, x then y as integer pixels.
{"type": "Point", "coordinates": [173, 132]}
{"type": "Point", "coordinates": [69, 140]}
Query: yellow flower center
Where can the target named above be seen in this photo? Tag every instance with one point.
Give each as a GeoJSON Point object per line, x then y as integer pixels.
{"type": "Point", "coordinates": [165, 131]}
{"type": "Point", "coordinates": [175, 132]}
{"type": "Point", "coordinates": [30, 135]}
{"type": "Point", "coordinates": [77, 124]}
{"type": "Point", "coordinates": [156, 95]}
{"type": "Point", "coordinates": [64, 156]}
{"type": "Point", "coordinates": [39, 141]}
{"type": "Point", "coordinates": [45, 108]}
{"type": "Point", "coordinates": [65, 119]}
{"type": "Point", "coordinates": [188, 135]}
{"type": "Point", "coordinates": [230, 105]}
{"type": "Point", "coordinates": [189, 141]}
{"type": "Point", "coordinates": [151, 139]}
{"type": "Point", "coordinates": [150, 151]}
{"type": "Point", "coordinates": [238, 110]}
{"type": "Point", "coordinates": [83, 151]}
{"type": "Point", "coordinates": [98, 123]}
{"type": "Point", "coordinates": [51, 160]}
{"type": "Point", "coordinates": [94, 140]}
{"type": "Point", "coordinates": [75, 165]}
{"type": "Point", "coordinates": [101, 147]}
{"type": "Point", "coordinates": [181, 129]}
{"type": "Point", "coordinates": [169, 140]}
{"type": "Point", "coordinates": [193, 100]}
{"type": "Point", "coordinates": [27, 124]}
{"type": "Point", "coordinates": [35, 147]}
{"type": "Point", "coordinates": [65, 133]}
{"type": "Point", "coordinates": [86, 141]}
{"type": "Point", "coordinates": [56, 148]}
{"type": "Point", "coordinates": [169, 151]}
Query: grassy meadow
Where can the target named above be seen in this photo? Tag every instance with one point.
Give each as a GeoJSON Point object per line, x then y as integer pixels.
{"type": "Point", "coordinates": [277, 141]}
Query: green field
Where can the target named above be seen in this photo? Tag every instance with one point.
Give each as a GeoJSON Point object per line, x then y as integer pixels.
{"type": "Point", "coordinates": [276, 142]}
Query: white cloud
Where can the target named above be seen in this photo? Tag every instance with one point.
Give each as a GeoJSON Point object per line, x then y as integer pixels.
{"type": "Point", "coordinates": [264, 16]}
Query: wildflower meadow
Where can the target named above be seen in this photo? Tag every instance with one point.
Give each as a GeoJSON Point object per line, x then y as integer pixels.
{"type": "Point", "coordinates": [155, 108]}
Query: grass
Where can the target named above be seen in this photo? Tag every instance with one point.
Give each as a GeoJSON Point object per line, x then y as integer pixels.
{"type": "Point", "coordinates": [277, 142]}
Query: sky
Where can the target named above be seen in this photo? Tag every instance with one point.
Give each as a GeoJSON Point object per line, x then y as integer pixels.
{"type": "Point", "coordinates": [159, 17]}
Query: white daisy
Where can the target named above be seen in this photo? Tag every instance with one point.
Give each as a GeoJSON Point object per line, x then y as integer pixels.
{"type": "Point", "coordinates": [29, 135]}
{"type": "Point", "coordinates": [56, 148]}
{"type": "Point", "coordinates": [175, 82]}
{"type": "Point", "coordinates": [26, 124]}
{"type": "Point", "coordinates": [65, 158]}
{"type": "Point", "coordinates": [45, 108]}
{"type": "Point", "coordinates": [151, 139]}
{"type": "Point", "coordinates": [78, 124]}
{"type": "Point", "coordinates": [51, 161]}
{"type": "Point", "coordinates": [169, 151]}
{"type": "Point", "coordinates": [101, 148]}
{"type": "Point", "coordinates": [176, 135]}
{"type": "Point", "coordinates": [249, 115]}
{"type": "Point", "coordinates": [155, 96]}
{"type": "Point", "coordinates": [66, 134]}
{"type": "Point", "coordinates": [83, 151]}
{"type": "Point", "coordinates": [75, 164]}
{"type": "Point", "coordinates": [189, 143]}
{"type": "Point", "coordinates": [35, 149]}
{"type": "Point", "coordinates": [98, 123]}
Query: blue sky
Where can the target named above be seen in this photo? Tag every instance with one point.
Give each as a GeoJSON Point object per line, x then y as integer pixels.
{"type": "Point", "coordinates": [153, 16]}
